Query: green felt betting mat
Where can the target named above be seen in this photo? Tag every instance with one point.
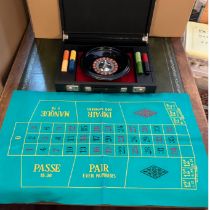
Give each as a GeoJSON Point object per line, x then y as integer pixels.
{"type": "Point", "coordinates": [102, 149]}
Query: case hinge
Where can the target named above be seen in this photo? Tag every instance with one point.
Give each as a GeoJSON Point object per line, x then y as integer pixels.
{"type": "Point", "coordinates": [145, 38]}
{"type": "Point", "coordinates": [65, 36]}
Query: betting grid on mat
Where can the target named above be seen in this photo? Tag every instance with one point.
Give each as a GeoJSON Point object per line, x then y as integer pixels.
{"type": "Point", "coordinates": [119, 149]}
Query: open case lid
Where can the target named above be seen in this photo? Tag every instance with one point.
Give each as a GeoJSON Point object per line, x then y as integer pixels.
{"type": "Point", "coordinates": [106, 19]}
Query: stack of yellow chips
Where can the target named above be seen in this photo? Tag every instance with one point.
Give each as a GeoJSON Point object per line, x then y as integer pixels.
{"type": "Point", "coordinates": [73, 55]}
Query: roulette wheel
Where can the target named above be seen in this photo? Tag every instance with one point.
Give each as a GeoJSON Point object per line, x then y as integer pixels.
{"type": "Point", "coordinates": [106, 63]}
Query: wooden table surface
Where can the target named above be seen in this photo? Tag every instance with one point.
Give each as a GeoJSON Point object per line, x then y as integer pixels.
{"type": "Point", "coordinates": [17, 71]}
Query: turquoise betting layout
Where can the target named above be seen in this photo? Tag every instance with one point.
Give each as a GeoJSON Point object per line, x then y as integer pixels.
{"type": "Point", "coordinates": [102, 149]}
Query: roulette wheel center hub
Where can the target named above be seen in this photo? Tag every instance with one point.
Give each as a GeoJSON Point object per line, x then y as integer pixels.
{"type": "Point", "coordinates": [105, 66]}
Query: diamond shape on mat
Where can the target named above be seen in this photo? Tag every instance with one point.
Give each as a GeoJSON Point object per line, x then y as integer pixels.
{"type": "Point", "coordinates": [154, 172]}
{"type": "Point", "coordinates": [145, 113]}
